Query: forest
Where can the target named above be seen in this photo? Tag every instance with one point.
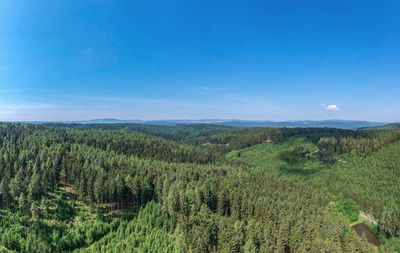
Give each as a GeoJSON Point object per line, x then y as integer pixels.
{"type": "Point", "coordinates": [197, 188]}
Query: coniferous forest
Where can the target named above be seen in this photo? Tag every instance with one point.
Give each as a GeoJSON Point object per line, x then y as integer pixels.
{"type": "Point", "coordinates": [199, 188]}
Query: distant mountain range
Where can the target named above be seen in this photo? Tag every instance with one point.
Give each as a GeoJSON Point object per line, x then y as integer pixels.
{"type": "Point", "coordinates": [390, 126]}
{"type": "Point", "coordinates": [333, 123]}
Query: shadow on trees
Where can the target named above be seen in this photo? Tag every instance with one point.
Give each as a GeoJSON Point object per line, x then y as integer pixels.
{"type": "Point", "coordinates": [297, 170]}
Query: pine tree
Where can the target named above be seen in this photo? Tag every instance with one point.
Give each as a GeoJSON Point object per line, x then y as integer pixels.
{"type": "Point", "coordinates": [34, 188]}
{"type": "Point", "coordinates": [5, 192]}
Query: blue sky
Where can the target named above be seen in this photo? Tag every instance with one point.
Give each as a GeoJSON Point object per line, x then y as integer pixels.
{"type": "Point", "coordinates": [277, 60]}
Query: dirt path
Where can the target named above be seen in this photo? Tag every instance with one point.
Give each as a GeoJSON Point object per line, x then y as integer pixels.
{"type": "Point", "coordinates": [368, 217]}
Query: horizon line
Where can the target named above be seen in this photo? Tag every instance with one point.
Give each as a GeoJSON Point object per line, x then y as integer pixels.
{"type": "Point", "coordinates": [186, 119]}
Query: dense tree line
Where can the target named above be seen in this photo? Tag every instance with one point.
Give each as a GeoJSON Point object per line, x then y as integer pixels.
{"type": "Point", "coordinates": [148, 232]}
{"type": "Point", "coordinates": [330, 141]}
{"type": "Point", "coordinates": [124, 142]}
{"type": "Point", "coordinates": [209, 208]}
{"type": "Point", "coordinates": [217, 208]}
{"type": "Point", "coordinates": [363, 145]}
{"type": "Point", "coordinates": [367, 183]}
{"type": "Point", "coordinates": [187, 133]}
{"type": "Point", "coordinates": [247, 137]}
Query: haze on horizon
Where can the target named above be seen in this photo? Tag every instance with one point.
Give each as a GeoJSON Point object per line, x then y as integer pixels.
{"type": "Point", "coordinates": [265, 60]}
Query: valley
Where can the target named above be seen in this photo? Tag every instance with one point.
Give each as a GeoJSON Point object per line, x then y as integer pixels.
{"type": "Point", "coordinates": [96, 189]}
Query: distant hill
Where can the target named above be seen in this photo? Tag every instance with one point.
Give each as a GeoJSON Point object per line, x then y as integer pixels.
{"type": "Point", "coordinates": [181, 132]}
{"type": "Point", "coordinates": [106, 121]}
{"type": "Point", "coordinates": [391, 126]}
{"type": "Point", "coordinates": [334, 123]}
{"type": "Point", "coordinates": [331, 123]}
{"type": "Point", "coordinates": [345, 124]}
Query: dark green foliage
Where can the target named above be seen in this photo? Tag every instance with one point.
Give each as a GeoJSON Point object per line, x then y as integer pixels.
{"type": "Point", "coordinates": [389, 223]}
{"type": "Point", "coordinates": [355, 182]}
{"type": "Point", "coordinates": [247, 137]}
{"type": "Point", "coordinates": [128, 143]}
{"type": "Point", "coordinates": [180, 133]}
{"type": "Point", "coordinates": [63, 209]}
{"type": "Point", "coordinates": [326, 147]}
{"type": "Point", "coordinates": [330, 141]}
{"type": "Point", "coordinates": [299, 154]}
{"type": "Point", "coordinates": [65, 189]}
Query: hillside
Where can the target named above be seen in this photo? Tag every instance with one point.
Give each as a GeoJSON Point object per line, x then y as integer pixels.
{"type": "Point", "coordinates": [392, 126]}
{"type": "Point", "coordinates": [180, 133]}
{"type": "Point", "coordinates": [344, 124]}
{"type": "Point", "coordinates": [71, 189]}
{"type": "Point", "coordinates": [199, 126]}
{"type": "Point", "coordinates": [331, 123]}
{"type": "Point", "coordinates": [370, 182]}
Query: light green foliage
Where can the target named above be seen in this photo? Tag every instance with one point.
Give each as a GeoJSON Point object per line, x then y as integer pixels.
{"type": "Point", "coordinates": [146, 233]}
{"type": "Point", "coordinates": [90, 190]}
{"type": "Point", "coordinates": [48, 230]}
{"type": "Point", "coordinates": [233, 155]}
{"type": "Point", "coordinates": [363, 183]}
{"type": "Point", "coordinates": [347, 209]}
{"type": "Point", "coordinates": [391, 245]}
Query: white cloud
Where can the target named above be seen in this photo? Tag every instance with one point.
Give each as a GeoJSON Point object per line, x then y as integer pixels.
{"type": "Point", "coordinates": [333, 108]}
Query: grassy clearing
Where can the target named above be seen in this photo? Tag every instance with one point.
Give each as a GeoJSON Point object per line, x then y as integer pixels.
{"type": "Point", "coordinates": [355, 184]}
{"type": "Point", "coordinates": [266, 157]}
{"type": "Point", "coordinates": [371, 182]}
